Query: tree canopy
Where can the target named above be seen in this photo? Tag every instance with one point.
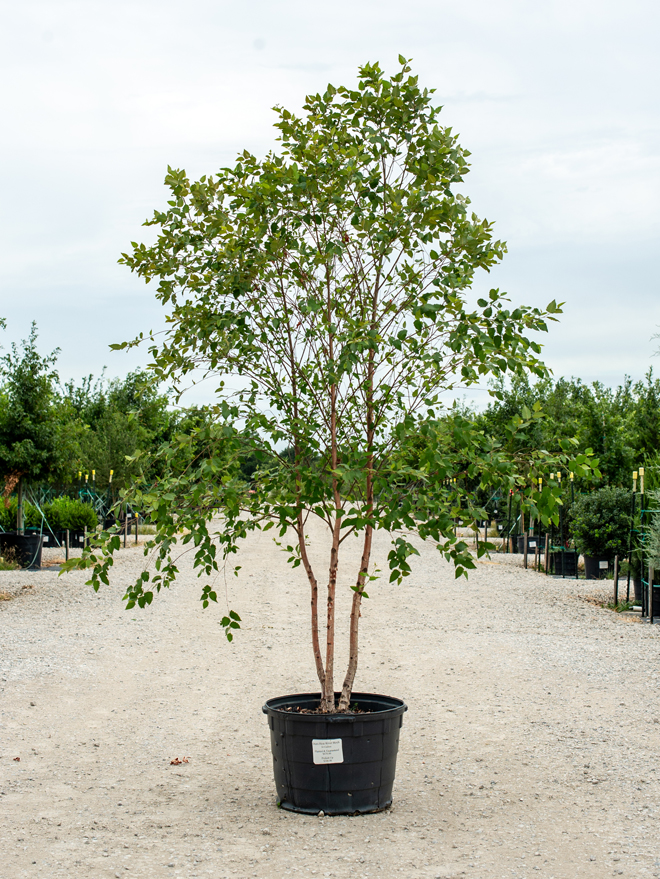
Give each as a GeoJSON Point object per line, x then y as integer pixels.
{"type": "Point", "coordinates": [325, 289]}
{"type": "Point", "coordinates": [621, 425]}
{"type": "Point", "coordinates": [30, 430]}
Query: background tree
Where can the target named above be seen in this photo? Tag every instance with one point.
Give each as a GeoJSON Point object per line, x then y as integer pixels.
{"type": "Point", "coordinates": [621, 425]}
{"type": "Point", "coordinates": [33, 436]}
{"type": "Point", "coordinates": [118, 419]}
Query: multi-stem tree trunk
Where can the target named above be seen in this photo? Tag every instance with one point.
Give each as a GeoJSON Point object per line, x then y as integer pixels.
{"type": "Point", "coordinates": [349, 680]}
{"type": "Point", "coordinates": [328, 693]}
{"type": "Point", "coordinates": [328, 685]}
{"type": "Point", "coordinates": [20, 518]}
{"type": "Point", "coordinates": [318, 659]}
{"type": "Point", "coordinates": [347, 688]}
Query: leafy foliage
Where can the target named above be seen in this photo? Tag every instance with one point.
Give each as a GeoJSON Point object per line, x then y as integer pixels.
{"type": "Point", "coordinates": [600, 522]}
{"type": "Point", "coordinates": [30, 431]}
{"type": "Point", "coordinates": [116, 420]}
{"type": "Point", "coordinates": [325, 290]}
{"type": "Point", "coordinates": [69, 513]}
{"type": "Point", "coordinates": [59, 514]}
{"type": "Point", "coordinates": [621, 425]}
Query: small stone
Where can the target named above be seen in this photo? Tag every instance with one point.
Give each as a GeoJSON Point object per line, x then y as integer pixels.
{"type": "Point", "coordinates": [321, 814]}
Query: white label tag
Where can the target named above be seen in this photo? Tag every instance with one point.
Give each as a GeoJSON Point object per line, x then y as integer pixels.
{"type": "Point", "coordinates": [327, 751]}
{"type": "Point", "coordinates": [532, 544]}
{"type": "Point", "coordinates": [603, 565]}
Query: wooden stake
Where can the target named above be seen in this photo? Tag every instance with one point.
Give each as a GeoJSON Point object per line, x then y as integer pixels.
{"type": "Point", "coordinates": [547, 551]}
{"type": "Point", "coordinates": [649, 606]}
{"type": "Point", "coordinates": [616, 580]}
{"type": "Point", "coordinates": [66, 545]}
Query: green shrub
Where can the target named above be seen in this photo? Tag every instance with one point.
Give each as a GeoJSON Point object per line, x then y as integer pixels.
{"type": "Point", "coordinates": [62, 513]}
{"type": "Point", "coordinates": [600, 522]}
{"type": "Point", "coordinates": [32, 516]}
{"type": "Point", "coordinates": [68, 513]}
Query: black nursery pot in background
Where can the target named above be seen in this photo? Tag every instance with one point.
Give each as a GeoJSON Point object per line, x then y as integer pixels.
{"type": "Point", "coordinates": [24, 549]}
{"type": "Point", "coordinates": [595, 567]}
{"type": "Point", "coordinates": [339, 764]}
{"type": "Point", "coordinates": [58, 539]}
{"type": "Point", "coordinates": [532, 543]}
{"type": "Point", "coordinates": [563, 563]}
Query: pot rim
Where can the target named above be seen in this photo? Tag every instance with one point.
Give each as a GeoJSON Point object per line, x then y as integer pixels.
{"type": "Point", "coordinates": [397, 707]}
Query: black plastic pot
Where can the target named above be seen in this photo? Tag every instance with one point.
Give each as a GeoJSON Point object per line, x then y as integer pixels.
{"type": "Point", "coordinates": [637, 589]}
{"type": "Point", "coordinates": [532, 543]}
{"type": "Point", "coordinates": [656, 601]}
{"type": "Point", "coordinates": [58, 538]}
{"type": "Point", "coordinates": [339, 764]}
{"type": "Point", "coordinates": [563, 563]}
{"type": "Point", "coordinates": [24, 549]}
{"type": "Point", "coordinates": [595, 567]}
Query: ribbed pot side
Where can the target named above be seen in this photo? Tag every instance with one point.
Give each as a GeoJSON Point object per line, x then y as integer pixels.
{"type": "Point", "coordinates": [339, 764]}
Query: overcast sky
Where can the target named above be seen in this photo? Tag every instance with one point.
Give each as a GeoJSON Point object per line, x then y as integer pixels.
{"type": "Point", "coordinates": [557, 101]}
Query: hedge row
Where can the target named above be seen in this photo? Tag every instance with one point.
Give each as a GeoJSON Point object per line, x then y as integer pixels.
{"type": "Point", "coordinates": [60, 514]}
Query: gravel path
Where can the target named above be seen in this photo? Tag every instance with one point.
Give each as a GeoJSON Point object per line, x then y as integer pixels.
{"type": "Point", "coordinates": [529, 747]}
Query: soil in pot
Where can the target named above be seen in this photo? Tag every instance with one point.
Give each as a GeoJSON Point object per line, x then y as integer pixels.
{"type": "Point", "coordinates": [595, 567]}
{"type": "Point", "coordinates": [339, 764]}
{"type": "Point", "coordinates": [24, 549]}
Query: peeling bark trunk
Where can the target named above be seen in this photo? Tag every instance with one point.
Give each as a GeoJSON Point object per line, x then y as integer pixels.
{"type": "Point", "coordinates": [347, 688]}
{"type": "Point", "coordinates": [328, 691]}
{"type": "Point", "coordinates": [20, 519]}
{"type": "Point", "coordinates": [314, 603]}
{"type": "Point", "coordinates": [328, 695]}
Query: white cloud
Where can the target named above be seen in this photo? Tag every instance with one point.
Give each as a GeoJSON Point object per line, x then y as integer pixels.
{"type": "Point", "coordinates": [557, 102]}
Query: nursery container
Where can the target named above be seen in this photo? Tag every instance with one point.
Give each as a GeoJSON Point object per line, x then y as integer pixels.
{"type": "Point", "coordinates": [58, 538]}
{"type": "Point", "coordinates": [563, 563]}
{"type": "Point", "coordinates": [25, 549]}
{"type": "Point", "coordinates": [532, 543]}
{"type": "Point", "coordinates": [340, 764]}
{"type": "Point", "coordinates": [595, 567]}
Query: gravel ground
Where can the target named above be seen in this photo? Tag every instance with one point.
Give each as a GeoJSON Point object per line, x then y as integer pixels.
{"type": "Point", "coordinates": [528, 749]}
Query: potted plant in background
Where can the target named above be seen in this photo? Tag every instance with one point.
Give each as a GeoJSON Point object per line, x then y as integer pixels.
{"type": "Point", "coordinates": [325, 288]}
{"type": "Point", "coordinates": [69, 514]}
{"type": "Point", "coordinates": [600, 527]}
{"type": "Point", "coordinates": [31, 449]}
